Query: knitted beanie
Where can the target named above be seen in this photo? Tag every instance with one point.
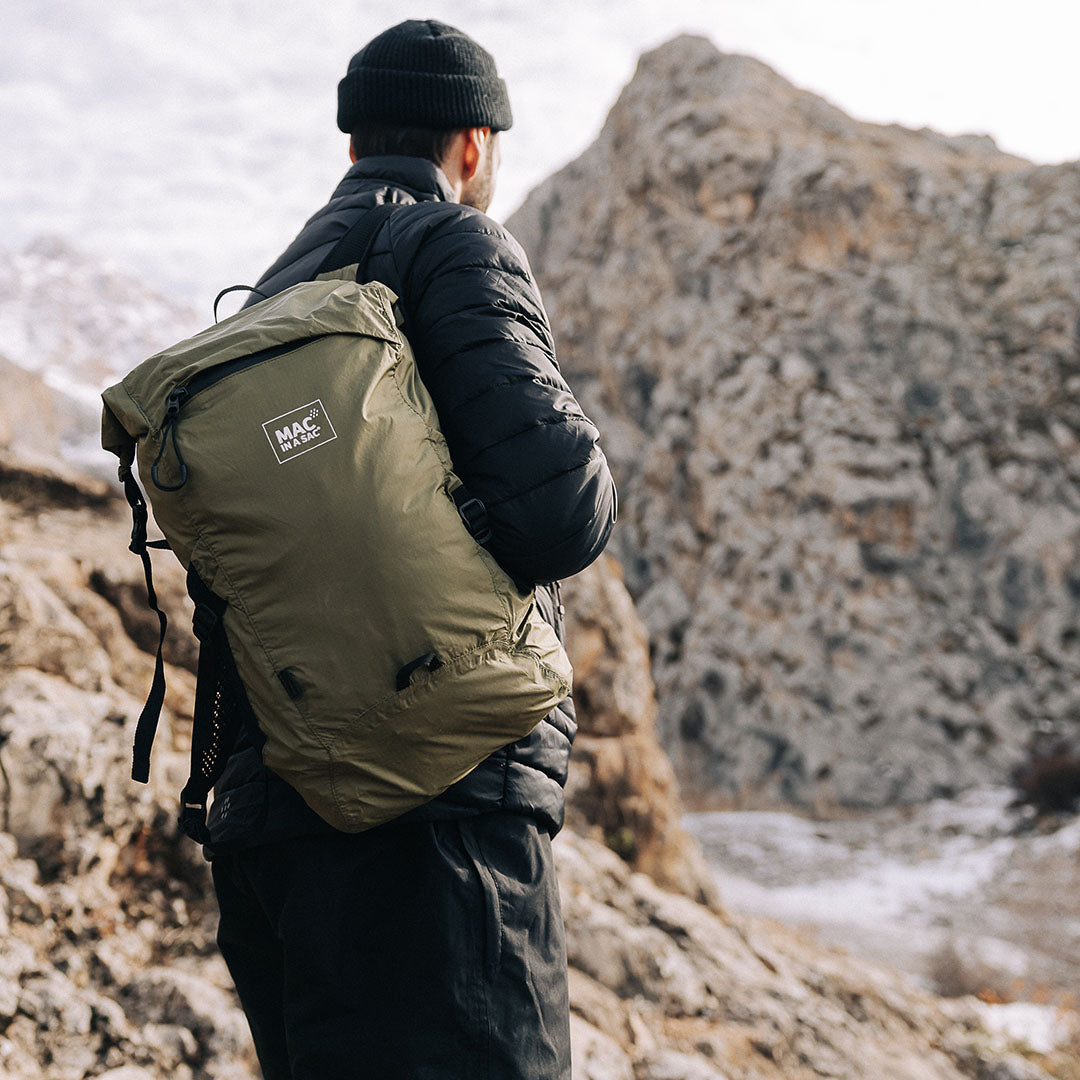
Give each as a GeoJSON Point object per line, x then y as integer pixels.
{"type": "Point", "coordinates": [423, 73]}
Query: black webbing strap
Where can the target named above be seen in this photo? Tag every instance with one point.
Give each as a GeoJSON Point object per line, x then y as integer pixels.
{"type": "Point", "coordinates": [353, 246]}
{"type": "Point", "coordinates": [146, 728]}
{"type": "Point", "coordinates": [217, 716]}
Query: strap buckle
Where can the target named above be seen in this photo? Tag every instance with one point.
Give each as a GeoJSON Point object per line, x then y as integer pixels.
{"type": "Point", "coordinates": [204, 622]}
{"type": "Point", "coordinates": [475, 516]}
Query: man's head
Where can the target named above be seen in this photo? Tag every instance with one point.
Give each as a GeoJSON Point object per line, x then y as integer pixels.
{"type": "Point", "coordinates": [425, 89]}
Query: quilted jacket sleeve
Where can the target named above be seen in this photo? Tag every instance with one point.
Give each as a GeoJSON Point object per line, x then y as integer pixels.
{"type": "Point", "coordinates": [517, 436]}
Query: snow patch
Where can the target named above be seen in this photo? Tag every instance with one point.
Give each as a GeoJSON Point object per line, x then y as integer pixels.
{"type": "Point", "coordinates": [960, 894]}
{"type": "Point", "coordinates": [1041, 1028]}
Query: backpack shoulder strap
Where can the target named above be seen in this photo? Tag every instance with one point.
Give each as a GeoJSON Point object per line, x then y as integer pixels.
{"type": "Point", "coordinates": [353, 247]}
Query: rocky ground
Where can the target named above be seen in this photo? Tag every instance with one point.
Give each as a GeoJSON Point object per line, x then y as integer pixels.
{"type": "Point", "coordinates": [108, 967]}
{"type": "Point", "coordinates": [837, 372]}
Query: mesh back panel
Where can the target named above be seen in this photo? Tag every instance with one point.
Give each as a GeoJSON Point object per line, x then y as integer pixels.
{"type": "Point", "coordinates": [221, 707]}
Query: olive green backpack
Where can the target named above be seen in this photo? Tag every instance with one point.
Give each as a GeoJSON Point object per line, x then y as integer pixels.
{"type": "Point", "coordinates": [344, 599]}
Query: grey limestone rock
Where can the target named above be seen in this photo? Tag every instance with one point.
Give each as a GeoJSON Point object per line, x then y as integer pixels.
{"type": "Point", "coordinates": [671, 1065]}
{"type": "Point", "coordinates": [837, 372]}
{"type": "Point", "coordinates": [597, 1056]}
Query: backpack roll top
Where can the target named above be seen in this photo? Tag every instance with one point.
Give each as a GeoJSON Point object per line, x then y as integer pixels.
{"type": "Point", "coordinates": [294, 461]}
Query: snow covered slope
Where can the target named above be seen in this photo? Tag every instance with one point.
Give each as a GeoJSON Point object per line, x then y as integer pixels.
{"type": "Point", "coordinates": [69, 326]}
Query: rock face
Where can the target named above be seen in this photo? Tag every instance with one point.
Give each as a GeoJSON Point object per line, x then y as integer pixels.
{"type": "Point", "coordinates": [108, 966]}
{"type": "Point", "coordinates": [837, 371]}
{"type": "Point", "coordinates": [621, 786]}
{"type": "Point", "coordinates": [35, 419]}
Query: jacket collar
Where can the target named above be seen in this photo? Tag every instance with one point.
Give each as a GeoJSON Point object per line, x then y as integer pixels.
{"type": "Point", "coordinates": [422, 178]}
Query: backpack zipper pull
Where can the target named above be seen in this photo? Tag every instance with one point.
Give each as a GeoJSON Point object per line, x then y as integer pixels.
{"type": "Point", "coordinates": [173, 404]}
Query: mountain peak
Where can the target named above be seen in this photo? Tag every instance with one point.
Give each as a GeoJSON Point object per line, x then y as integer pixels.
{"type": "Point", "coordinates": [692, 65]}
{"type": "Point", "coordinates": [689, 83]}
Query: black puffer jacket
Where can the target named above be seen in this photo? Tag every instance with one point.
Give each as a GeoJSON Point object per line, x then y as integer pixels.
{"type": "Point", "coordinates": [517, 437]}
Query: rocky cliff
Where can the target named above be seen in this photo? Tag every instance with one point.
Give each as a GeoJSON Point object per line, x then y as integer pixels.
{"type": "Point", "coordinates": [622, 789]}
{"type": "Point", "coordinates": [108, 967]}
{"type": "Point", "coordinates": [836, 367]}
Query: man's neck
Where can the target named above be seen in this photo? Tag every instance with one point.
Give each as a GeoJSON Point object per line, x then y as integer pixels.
{"type": "Point", "coordinates": [417, 174]}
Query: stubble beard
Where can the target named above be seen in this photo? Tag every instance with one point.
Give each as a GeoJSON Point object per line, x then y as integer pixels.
{"type": "Point", "coordinates": [480, 189]}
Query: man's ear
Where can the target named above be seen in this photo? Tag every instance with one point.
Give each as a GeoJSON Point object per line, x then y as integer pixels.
{"type": "Point", "coordinates": [473, 152]}
{"type": "Point", "coordinates": [352, 151]}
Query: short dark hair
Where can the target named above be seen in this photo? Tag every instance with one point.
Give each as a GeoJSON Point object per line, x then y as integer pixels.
{"type": "Point", "coordinates": [374, 140]}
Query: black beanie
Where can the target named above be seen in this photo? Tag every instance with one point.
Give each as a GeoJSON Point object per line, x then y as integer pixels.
{"type": "Point", "coordinates": [423, 73]}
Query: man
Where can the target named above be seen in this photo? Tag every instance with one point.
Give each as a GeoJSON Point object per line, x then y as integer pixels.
{"type": "Point", "coordinates": [431, 946]}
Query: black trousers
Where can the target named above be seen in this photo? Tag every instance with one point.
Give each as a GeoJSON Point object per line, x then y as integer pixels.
{"type": "Point", "coordinates": [412, 952]}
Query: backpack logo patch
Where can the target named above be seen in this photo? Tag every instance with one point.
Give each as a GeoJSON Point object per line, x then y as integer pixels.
{"type": "Point", "coordinates": [294, 433]}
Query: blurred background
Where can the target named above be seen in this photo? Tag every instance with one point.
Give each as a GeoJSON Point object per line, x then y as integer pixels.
{"type": "Point", "coordinates": [814, 270]}
{"type": "Point", "coordinates": [189, 141]}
